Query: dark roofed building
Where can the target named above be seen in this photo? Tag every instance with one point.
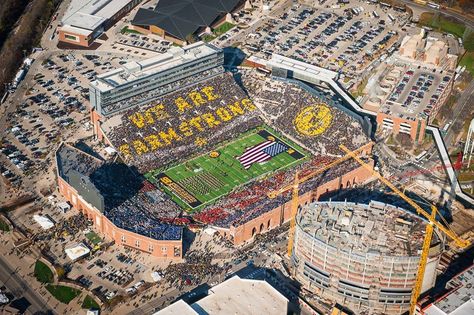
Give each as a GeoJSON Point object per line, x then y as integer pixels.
{"type": "Point", "coordinates": [176, 19]}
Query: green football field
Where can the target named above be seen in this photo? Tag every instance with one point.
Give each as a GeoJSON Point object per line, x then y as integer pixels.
{"type": "Point", "coordinates": [202, 180]}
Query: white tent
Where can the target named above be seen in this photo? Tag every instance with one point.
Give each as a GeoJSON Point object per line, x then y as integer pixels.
{"type": "Point", "coordinates": [77, 251]}
{"type": "Point", "coordinates": [110, 150]}
{"type": "Point", "coordinates": [43, 221]}
{"type": "Point", "coordinates": [155, 276]}
{"type": "Point", "coordinates": [210, 231]}
{"type": "Point", "coordinates": [64, 206]}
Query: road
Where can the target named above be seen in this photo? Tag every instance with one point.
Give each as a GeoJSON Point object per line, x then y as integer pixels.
{"type": "Point", "coordinates": [20, 287]}
{"type": "Point", "coordinates": [458, 109]}
{"type": "Point", "coordinates": [451, 13]}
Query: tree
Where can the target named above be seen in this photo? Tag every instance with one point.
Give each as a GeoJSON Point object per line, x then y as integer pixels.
{"type": "Point", "coordinates": [191, 38]}
{"type": "Point", "coordinates": [467, 5]}
{"type": "Point", "coordinates": [404, 140]}
{"type": "Point", "coordinates": [456, 128]}
{"type": "Point", "coordinates": [446, 112]}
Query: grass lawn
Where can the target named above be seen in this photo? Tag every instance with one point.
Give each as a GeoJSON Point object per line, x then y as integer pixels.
{"type": "Point", "coordinates": [43, 273]}
{"type": "Point", "coordinates": [63, 293]}
{"type": "Point", "coordinates": [93, 237]}
{"type": "Point", "coordinates": [466, 176]}
{"type": "Point", "coordinates": [4, 226]}
{"type": "Point", "coordinates": [442, 23]}
{"type": "Point", "coordinates": [360, 88]}
{"type": "Point", "coordinates": [226, 26]}
{"type": "Point", "coordinates": [207, 38]}
{"type": "Point", "coordinates": [90, 303]}
{"type": "Point", "coordinates": [127, 30]}
{"type": "Point", "coordinates": [204, 179]}
{"type": "Point", "coordinates": [468, 62]}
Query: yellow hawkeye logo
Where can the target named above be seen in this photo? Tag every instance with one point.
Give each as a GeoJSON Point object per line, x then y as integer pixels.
{"type": "Point", "coordinates": [313, 120]}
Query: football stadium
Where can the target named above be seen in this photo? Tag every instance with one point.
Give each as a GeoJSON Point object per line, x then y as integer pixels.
{"type": "Point", "coordinates": [206, 155]}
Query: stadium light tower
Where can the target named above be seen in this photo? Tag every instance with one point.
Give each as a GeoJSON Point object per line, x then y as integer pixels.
{"type": "Point", "coordinates": [469, 146]}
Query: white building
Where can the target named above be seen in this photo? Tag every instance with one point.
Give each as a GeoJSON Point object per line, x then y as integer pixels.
{"type": "Point", "coordinates": [234, 296]}
{"type": "Point", "coordinates": [138, 82]}
{"type": "Point", "coordinates": [85, 20]}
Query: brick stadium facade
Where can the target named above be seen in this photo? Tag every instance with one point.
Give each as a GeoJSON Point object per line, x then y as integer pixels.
{"type": "Point", "coordinates": [168, 249]}
{"type": "Point", "coordinates": [280, 215]}
{"type": "Point", "coordinates": [238, 234]}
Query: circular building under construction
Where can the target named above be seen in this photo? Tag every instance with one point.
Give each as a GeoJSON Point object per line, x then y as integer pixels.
{"type": "Point", "coordinates": [363, 256]}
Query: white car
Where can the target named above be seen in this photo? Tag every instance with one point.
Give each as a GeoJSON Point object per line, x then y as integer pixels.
{"type": "Point", "coordinates": [3, 298]}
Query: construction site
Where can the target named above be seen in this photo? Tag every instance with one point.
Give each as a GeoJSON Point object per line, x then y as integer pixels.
{"type": "Point", "coordinates": [364, 256]}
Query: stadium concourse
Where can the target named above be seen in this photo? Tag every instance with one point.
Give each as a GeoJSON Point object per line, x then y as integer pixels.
{"type": "Point", "coordinates": [169, 147]}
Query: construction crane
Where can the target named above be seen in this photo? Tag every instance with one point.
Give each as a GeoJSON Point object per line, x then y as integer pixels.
{"type": "Point", "coordinates": [432, 222]}
{"type": "Point", "coordinates": [295, 190]}
{"type": "Point", "coordinates": [425, 250]}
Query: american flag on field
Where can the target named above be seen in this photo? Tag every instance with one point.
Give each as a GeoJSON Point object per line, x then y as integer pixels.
{"type": "Point", "coordinates": [261, 152]}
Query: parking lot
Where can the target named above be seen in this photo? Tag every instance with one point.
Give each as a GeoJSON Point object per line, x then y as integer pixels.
{"type": "Point", "coordinates": [53, 109]}
{"type": "Point", "coordinates": [343, 38]}
{"type": "Point", "coordinates": [129, 42]}
{"type": "Point", "coordinates": [417, 91]}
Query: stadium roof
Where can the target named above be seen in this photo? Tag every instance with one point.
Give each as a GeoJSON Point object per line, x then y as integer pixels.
{"type": "Point", "coordinates": [183, 17]}
{"type": "Point", "coordinates": [135, 70]}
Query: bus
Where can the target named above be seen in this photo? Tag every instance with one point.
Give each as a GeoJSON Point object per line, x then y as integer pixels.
{"type": "Point", "coordinates": [386, 5]}
{"type": "Point", "coordinates": [420, 156]}
{"type": "Point", "coordinates": [444, 131]}
{"type": "Point", "coordinates": [423, 2]}
{"type": "Point", "coordinates": [251, 48]}
{"type": "Point", "coordinates": [375, 15]}
{"type": "Point", "coordinates": [391, 18]}
{"type": "Point", "coordinates": [433, 5]}
{"type": "Point", "coordinates": [399, 8]}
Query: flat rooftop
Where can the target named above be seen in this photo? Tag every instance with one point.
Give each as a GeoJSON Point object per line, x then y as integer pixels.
{"type": "Point", "coordinates": [414, 92]}
{"type": "Point", "coordinates": [234, 296]}
{"type": "Point", "coordinates": [134, 70]}
{"type": "Point", "coordinates": [90, 14]}
{"type": "Point", "coordinates": [460, 299]}
{"type": "Point", "coordinates": [296, 65]}
{"type": "Point", "coordinates": [374, 228]}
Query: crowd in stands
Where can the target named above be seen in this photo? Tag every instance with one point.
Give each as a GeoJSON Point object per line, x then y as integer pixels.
{"type": "Point", "coordinates": [282, 101]}
{"type": "Point", "coordinates": [70, 158]}
{"type": "Point", "coordinates": [153, 94]}
{"type": "Point", "coordinates": [127, 217]}
{"type": "Point", "coordinates": [224, 86]}
{"type": "Point", "coordinates": [252, 200]}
